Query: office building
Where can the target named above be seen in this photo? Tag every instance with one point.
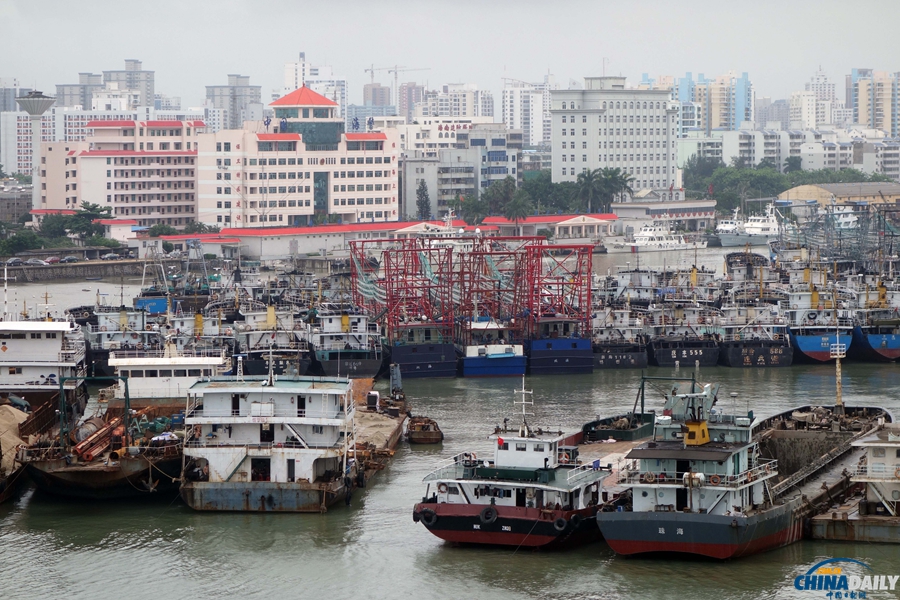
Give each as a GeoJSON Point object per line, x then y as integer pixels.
{"type": "Point", "coordinates": [234, 98]}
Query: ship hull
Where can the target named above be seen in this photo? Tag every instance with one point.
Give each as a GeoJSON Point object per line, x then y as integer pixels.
{"type": "Point", "coordinates": [425, 360]}
{"type": "Point", "coordinates": [348, 363]}
{"type": "Point", "coordinates": [713, 536]}
{"type": "Point", "coordinates": [504, 366]}
{"type": "Point", "coordinates": [260, 496]}
{"type": "Point", "coordinates": [817, 348]}
{"type": "Point", "coordinates": [560, 356]}
{"type": "Point", "coordinates": [123, 478]}
{"type": "Point", "coordinates": [513, 526]}
{"type": "Point", "coordinates": [630, 356]}
{"type": "Point", "coordinates": [730, 240]}
{"type": "Point", "coordinates": [872, 345]}
{"type": "Point", "coordinates": [669, 352]}
{"type": "Point", "coordinates": [755, 353]}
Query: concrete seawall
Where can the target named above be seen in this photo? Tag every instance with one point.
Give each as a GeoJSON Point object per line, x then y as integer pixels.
{"type": "Point", "coordinates": [111, 269]}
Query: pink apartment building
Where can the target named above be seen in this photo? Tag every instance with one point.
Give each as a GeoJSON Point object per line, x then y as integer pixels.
{"type": "Point", "coordinates": [144, 170]}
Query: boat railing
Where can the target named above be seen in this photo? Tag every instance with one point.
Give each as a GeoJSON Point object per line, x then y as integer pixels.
{"type": "Point", "coordinates": [213, 442]}
{"type": "Point", "coordinates": [879, 471]}
{"type": "Point", "coordinates": [264, 410]}
{"type": "Point", "coordinates": [453, 468]}
{"type": "Point", "coordinates": [762, 468]}
{"type": "Point", "coordinates": [585, 471]}
{"type": "Point", "coordinates": [163, 353]}
{"type": "Point", "coordinates": [343, 345]}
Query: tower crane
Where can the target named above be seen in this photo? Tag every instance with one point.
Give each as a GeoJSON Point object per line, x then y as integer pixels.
{"type": "Point", "coordinates": [371, 71]}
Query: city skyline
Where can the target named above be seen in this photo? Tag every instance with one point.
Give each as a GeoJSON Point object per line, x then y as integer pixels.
{"type": "Point", "coordinates": [670, 43]}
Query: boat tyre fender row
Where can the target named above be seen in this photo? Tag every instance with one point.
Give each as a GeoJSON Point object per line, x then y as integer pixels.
{"type": "Point", "coordinates": [560, 524]}
{"type": "Point", "coordinates": [488, 515]}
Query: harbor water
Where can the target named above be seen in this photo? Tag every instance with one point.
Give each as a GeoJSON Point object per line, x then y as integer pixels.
{"type": "Point", "coordinates": [372, 549]}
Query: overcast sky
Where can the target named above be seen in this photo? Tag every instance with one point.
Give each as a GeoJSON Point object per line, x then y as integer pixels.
{"type": "Point", "coordinates": [191, 44]}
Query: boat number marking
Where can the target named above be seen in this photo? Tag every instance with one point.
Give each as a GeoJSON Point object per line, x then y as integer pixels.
{"type": "Point", "coordinates": [686, 353]}
{"type": "Point", "coordinates": [662, 530]}
{"type": "Point", "coordinates": [476, 526]}
{"type": "Point", "coordinates": [506, 528]}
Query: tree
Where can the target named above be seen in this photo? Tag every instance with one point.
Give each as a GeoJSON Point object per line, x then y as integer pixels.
{"type": "Point", "coordinates": [423, 201]}
{"type": "Point", "coordinates": [472, 210]}
{"type": "Point", "coordinates": [24, 240]}
{"type": "Point", "coordinates": [518, 208]}
{"type": "Point", "coordinates": [22, 179]}
{"type": "Point", "coordinates": [767, 163]}
{"type": "Point", "coordinates": [161, 229]}
{"type": "Point", "coordinates": [198, 227]}
{"type": "Point", "coordinates": [616, 182]}
{"type": "Point", "coordinates": [499, 194]}
{"type": "Point", "coordinates": [793, 163]}
{"type": "Point", "coordinates": [82, 222]}
{"type": "Point", "coordinates": [54, 226]}
{"type": "Point", "coordinates": [590, 188]}
{"type": "Point", "coordinates": [3, 174]}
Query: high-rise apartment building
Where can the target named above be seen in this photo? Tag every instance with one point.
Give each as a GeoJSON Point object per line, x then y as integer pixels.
{"type": "Point", "coordinates": [234, 98]}
{"type": "Point", "coordinates": [875, 99]}
{"type": "Point", "coordinates": [725, 101]}
{"type": "Point", "coordinates": [375, 94]}
{"type": "Point", "coordinates": [522, 107]}
{"type": "Point", "coordinates": [81, 93]}
{"type": "Point", "coordinates": [803, 110]}
{"type": "Point", "coordinates": [144, 170]}
{"type": "Point", "coordinates": [608, 125]}
{"type": "Point", "coordinates": [9, 91]}
{"type": "Point", "coordinates": [456, 100]}
{"type": "Point", "coordinates": [134, 78]}
{"type": "Point", "coordinates": [410, 94]}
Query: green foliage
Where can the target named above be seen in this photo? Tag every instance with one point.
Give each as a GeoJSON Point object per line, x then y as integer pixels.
{"type": "Point", "coordinates": [499, 194]}
{"type": "Point", "coordinates": [23, 240]}
{"type": "Point", "coordinates": [99, 240]}
{"type": "Point", "coordinates": [168, 246]}
{"type": "Point", "coordinates": [209, 256]}
{"type": "Point", "coordinates": [696, 171]}
{"type": "Point", "coordinates": [519, 207]}
{"type": "Point", "coordinates": [471, 209]}
{"type": "Point", "coordinates": [3, 174]}
{"type": "Point", "coordinates": [198, 227]}
{"type": "Point", "coordinates": [793, 163]}
{"type": "Point", "coordinates": [423, 201]}
{"type": "Point", "coordinates": [767, 163]}
{"type": "Point", "coordinates": [590, 190]}
{"type": "Point", "coordinates": [54, 226]}
{"type": "Point", "coordinates": [22, 179]}
{"type": "Point", "coordinates": [550, 197]}
{"type": "Point", "coordinates": [25, 218]}
{"type": "Point", "coordinates": [161, 229]}
{"type": "Point", "coordinates": [547, 233]}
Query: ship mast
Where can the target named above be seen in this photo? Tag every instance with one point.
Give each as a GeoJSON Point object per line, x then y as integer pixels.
{"type": "Point", "coordinates": [525, 402]}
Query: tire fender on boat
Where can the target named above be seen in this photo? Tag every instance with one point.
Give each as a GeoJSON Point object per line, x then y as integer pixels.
{"type": "Point", "coordinates": [428, 517]}
{"type": "Point", "coordinates": [560, 524]}
{"type": "Point", "coordinates": [488, 515]}
{"type": "Point", "coordinates": [575, 520]}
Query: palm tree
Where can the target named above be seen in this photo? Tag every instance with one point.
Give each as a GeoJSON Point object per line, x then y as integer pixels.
{"type": "Point", "coordinates": [616, 182]}
{"type": "Point", "coordinates": [589, 187]}
{"type": "Point", "coordinates": [518, 208]}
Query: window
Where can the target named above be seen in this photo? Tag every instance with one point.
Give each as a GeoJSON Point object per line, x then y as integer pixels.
{"type": "Point", "coordinates": [521, 447]}
{"type": "Point", "coordinates": [538, 447]}
{"type": "Point", "coordinates": [318, 429]}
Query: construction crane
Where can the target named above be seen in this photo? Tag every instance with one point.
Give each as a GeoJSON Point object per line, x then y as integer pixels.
{"type": "Point", "coordinates": [396, 71]}
{"type": "Point", "coordinates": [371, 71]}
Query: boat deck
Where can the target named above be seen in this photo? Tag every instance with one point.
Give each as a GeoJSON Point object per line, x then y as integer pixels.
{"type": "Point", "coordinates": [608, 453]}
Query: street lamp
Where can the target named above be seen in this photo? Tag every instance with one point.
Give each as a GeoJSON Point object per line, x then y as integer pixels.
{"type": "Point", "coordinates": [35, 104]}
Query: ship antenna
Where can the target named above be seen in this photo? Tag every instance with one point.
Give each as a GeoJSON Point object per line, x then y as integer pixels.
{"type": "Point", "coordinates": [271, 381]}
{"type": "Point", "coordinates": [525, 402]}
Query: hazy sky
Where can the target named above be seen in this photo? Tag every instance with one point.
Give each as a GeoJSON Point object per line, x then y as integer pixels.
{"type": "Point", "coordinates": [191, 44]}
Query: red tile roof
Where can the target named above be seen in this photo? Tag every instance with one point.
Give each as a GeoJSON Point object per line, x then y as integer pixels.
{"type": "Point", "coordinates": [272, 137]}
{"type": "Point", "coordinates": [387, 227]}
{"type": "Point", "coordinates": [365, 136]}
{"type": "Point", "coordinates": [548, 219]}
{"type": "Point", "coordinates": [303, 97]}
{"type": "Point", "coordinates": [99, 124]}
{"type": "Point", "coordinates": [161, 123]}
{"type": "Point", "coordinates": [115, 222]}
{"type": "Point", "coordinates": [52, 211]}
{"type": "Point", "coordinates": [196, 123]}
{"type": "Point", "coordinates": [213, 238]}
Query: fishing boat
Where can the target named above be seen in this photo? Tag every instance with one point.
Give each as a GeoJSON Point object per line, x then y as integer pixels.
{"type": "Point", "coordinates": [535, 492]}
{"type": "Point", "coordinates": [269, 444]}
{"type": "Point", "coordinates": [124, 455]}
{"type": "Point", "coordinates": [490, 348]}
{"type": "Point", "coordinates": [618, 339]}
{"type": "Point", "coordinates": [344, 341]}
{"type": "Point", "coordinates": [704, 486]}
{"type": "Point", "coordinates": [757, 230]}
{"type": "Point", "coordinates": [423, 430]}
{"type": "Point", "coordinates": [754, 335]}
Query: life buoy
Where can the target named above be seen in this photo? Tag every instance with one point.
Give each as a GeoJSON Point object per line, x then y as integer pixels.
{"type": "Point", "coordinates": [560, 524]}
{"type": "Point", "coordinates": [442, 488]}
{"type": "Point", "coordinates": [488, 515]}
{"type": "Point", "coordinates": [134, 336]}
{"type": "Point", "coordinates": [648, 477]}
{"type": "Point", "coordinates": [429, 517]}
{"type": "Point", "coordinates": [87, 315]}
{"type": "Point", "coordinates": [564, 459]}
{"type": "Point", "coordinates": [714, 480]}
{"type": "Point", "coordinates": [140, 346]}
{"type": "Point", "coordinates": [103, 328]}
{"type": "Point", "coordinates": [149, 328]}
{"type": "Point", "coordinates": [897, 473]}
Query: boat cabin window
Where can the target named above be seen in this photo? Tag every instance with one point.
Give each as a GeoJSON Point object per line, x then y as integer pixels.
{"type": "Point", "coordinates": [898, 453]}
{"type": "Point", "coordinates": [135, 373]}
{"type": "Point", "coordinates": [180, 373]}
{"type": "Point", "coordinates": [266, 433]}
{"type": "Point", "coordinates": [18, 336]}
{"type": "Point", "coordinates": [318, 429]}
{"type": "Point", "coordinates": [878, 452]}
{"type": "Point", "coordinates": [151, 373]}
{"type": "Point", "coordinates": [504, 446]}
{"type": "Point", "coordinates": [165, 372]}
{"type": "Point", "coordinates": [15, 370]}
{"type": "Point", "coordinates": [453, 490]}
{"type": "Point", "coordinates": [207, 372]}
{"type": "Point", "coordinates": [193, 372]}
{"type": "Point", "coordinates": [521, 447]}
{"type": "Point", "coordinates": [35, 336]}
{"type": "Point", "coordinates": [538, 447]}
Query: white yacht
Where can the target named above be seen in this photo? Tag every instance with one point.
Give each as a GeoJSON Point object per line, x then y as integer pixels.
{"type": "Point", "coordinates": [757, 230]}
{"type": "Point", "coordinates": [657, 237]}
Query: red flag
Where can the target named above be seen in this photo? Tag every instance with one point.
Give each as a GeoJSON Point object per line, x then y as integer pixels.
{"type": "Point", "coordinates": [710, 190]}
{"type": "Point", "coordinates": [499, 441]}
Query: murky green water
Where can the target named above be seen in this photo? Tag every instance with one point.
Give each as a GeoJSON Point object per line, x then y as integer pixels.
{"type": "Point", "coordinates": [55, 549]}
